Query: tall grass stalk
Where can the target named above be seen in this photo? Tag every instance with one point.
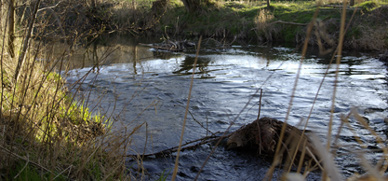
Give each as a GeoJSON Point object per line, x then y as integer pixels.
{"type": "Point", "coordinates": [175, 171]}
{"type": "Point", "coordinates": [277, 157]}
{"type": "Point", "coordinates": [338, 61]}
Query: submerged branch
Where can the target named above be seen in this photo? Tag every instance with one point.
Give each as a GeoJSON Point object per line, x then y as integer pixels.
{"type": "Point", "coordinates": [187, 146]}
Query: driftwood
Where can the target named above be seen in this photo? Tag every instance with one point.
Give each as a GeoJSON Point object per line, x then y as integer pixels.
{"type": "Point", "coordinates": [262, 137]}
{"type": "Point", "coordinates": [169, 45]}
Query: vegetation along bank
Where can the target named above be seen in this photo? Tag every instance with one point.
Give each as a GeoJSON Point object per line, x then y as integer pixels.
{"type": "Point", "coordinates": [229, 21]}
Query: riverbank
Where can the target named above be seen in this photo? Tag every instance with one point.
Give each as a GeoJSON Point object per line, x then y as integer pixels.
{"type": "Point", "coordinates": [46, 131]}
{"type": "Point", "coordinates": [231, 22]}
{"type": "Point", "coordinates": [283, 22]}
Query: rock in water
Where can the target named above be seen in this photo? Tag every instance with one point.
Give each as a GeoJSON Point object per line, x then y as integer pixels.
{"type": "Point", "coordinates": [262, 137]}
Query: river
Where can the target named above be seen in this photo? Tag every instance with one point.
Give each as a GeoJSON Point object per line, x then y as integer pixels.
{"type": "Point", "coordinates": [139, 85]}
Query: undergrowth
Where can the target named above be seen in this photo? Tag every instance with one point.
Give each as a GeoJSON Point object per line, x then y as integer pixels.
{"type": "Point", "coordinates": [47, 134]}
{"type": "Point", "coordinates": [288, 22]}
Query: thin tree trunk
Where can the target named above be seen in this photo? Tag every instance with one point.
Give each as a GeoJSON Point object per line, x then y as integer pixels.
{"type": "Point", "coordinates": [268, 4]}
{"type": "Point", "coordinates": [11, 28]}
{"type": "Point", "coordinates": [351, 3]}
{"type": "Point", "coordinates": [1, 15]}
{"type": "Point", "coordinates": [26, 42]}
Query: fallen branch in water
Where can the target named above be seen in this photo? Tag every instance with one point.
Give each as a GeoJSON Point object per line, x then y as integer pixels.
{"type": "Point", "coordinates": [187, 146]}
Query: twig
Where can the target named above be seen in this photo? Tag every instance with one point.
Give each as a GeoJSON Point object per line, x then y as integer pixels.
{"type": "Point", "coordinates": [50, 7]}
{"type": "Point", "coordinates": [261, 95]}
{"type": "Point", "coordinates": [28, 160]}
{"type": "Point", "coordinates": [61, 173]}
{"type": "Point", "coordinates": [207, 130]}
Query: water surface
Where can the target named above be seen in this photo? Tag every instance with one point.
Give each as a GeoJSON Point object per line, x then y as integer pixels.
{"type": "Point", "coordinates": [139, 85]}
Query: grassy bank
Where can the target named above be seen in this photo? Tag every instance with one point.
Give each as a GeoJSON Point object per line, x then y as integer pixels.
{"type": "Point", "coordinates": [45, 132]}
{"type": "Point", "coordinates": [283, 22]}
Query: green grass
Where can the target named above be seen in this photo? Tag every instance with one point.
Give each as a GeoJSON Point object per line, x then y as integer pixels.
{"type": "Point", "coordinates": [25, 171]}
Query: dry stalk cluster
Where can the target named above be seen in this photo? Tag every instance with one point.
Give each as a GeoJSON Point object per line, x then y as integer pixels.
{"type": "Point", "coordinates": [263, 25]}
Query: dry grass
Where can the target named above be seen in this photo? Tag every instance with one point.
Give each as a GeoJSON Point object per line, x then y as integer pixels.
{"type": "Point", "coordinates": [262, 22]}
{"type": "Point", "coordinates": [372, 38]}
{"type": "Point", "coordinates": [44, 128]}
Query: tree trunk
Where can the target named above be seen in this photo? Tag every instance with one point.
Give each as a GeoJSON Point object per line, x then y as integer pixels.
{"type": "Point", "coordinates": [11, 28]}
{"type": "Point", "coordinates": [351, 3]}
{"type": "Point", "coordinates": [268, 4]}
{"type": "Point", "coordinates": [192, 5]}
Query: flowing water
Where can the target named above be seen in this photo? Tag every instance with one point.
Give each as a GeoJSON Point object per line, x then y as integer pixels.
{"type": "Point", "coordinates": [140, 85]}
